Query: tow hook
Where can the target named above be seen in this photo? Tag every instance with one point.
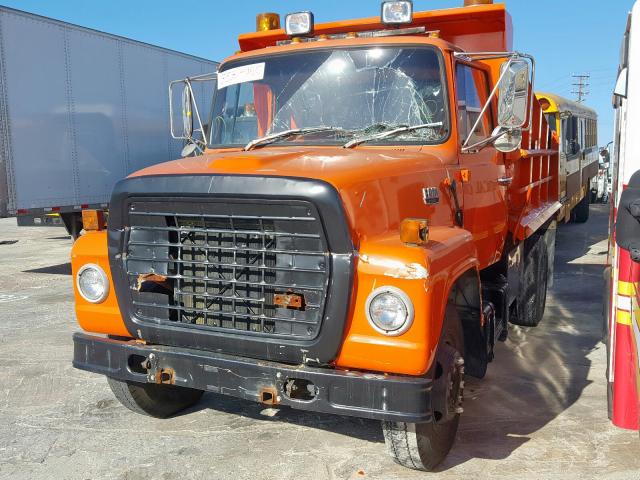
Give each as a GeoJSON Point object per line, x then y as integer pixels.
{"type": "Point", "coordinates": [157, 374]}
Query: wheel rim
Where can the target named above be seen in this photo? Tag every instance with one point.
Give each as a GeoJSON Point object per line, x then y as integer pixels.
{"type": "Point", "coordinates": [449, 386]}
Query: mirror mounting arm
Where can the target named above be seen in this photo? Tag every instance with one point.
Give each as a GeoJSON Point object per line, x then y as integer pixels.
{"type": "Point", "coordinates": [188, 90]}
{"type": "Point", "coordinates": [511, 56]}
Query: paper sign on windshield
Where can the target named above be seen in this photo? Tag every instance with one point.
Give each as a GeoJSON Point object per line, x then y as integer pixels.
{"type": "Point", "coordinates": [246, 73]}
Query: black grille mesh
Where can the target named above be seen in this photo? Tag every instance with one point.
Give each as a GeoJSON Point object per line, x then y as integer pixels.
{"type": "Point", "coordinates": [220, 265]}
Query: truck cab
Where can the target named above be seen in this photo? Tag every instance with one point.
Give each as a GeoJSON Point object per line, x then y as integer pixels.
{"type": "Point", "coordinates": [374, 201]}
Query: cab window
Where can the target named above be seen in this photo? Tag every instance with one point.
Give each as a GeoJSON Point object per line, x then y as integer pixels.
{"type": "Point", "coordinates": [473, 92]}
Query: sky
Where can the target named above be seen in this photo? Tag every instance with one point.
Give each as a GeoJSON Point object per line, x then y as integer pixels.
{"type": "Point", "coordinates": [565, 36]}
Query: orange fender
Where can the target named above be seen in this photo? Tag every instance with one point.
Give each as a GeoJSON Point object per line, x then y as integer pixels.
{"type": "Point", "coordinates": [426, 274]}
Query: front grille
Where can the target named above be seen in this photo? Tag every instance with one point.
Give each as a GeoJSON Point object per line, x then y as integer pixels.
{"type": "Point", "coordinates": [251, 268]}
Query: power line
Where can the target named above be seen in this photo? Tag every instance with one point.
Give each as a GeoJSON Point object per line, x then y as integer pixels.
{"type": "Point", "coordinates": [581, 86]}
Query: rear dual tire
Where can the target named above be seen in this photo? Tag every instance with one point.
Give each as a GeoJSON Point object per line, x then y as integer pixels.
{"type": "Point", "coordinates": [532, 299]}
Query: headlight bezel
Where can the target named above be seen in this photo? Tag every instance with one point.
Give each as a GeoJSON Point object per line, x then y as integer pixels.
{"type": "Point", "coordinates": [406, 301]}
{"type": "Point", "coordinates": [103, 276]}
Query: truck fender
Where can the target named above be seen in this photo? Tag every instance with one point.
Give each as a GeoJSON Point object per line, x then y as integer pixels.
{"type": "Point", "coordinates": [426, 274]}
{"type": "Point", "coordinates": [455, 279]}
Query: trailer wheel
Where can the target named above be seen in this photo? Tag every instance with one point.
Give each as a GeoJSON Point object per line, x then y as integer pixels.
{"type": "Point", "coordinates": [160, 401]}
{"type": "Point", "coordinates": [422, 446]}
{"type": "Point", "coordinates": [532, 300]}
{"type": "Point", "coordinates": [580, 213]}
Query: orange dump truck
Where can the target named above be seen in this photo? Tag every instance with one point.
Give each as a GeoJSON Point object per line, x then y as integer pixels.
{"type": "Point", "coordinates": [375, 201]}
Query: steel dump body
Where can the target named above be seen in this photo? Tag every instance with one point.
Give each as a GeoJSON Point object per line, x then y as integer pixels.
{"type": "Point", "coordinates": [80, 110]}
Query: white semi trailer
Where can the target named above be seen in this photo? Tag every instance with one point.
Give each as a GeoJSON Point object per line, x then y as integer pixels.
{"type": "Point", "coordinates": [79, 110]}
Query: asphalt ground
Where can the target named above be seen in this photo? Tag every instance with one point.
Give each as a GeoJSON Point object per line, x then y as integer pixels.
{"type": "Point", "coordinates": [539, 414]}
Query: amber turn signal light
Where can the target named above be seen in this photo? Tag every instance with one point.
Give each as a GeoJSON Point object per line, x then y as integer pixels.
{"type": "Point", "coordinates": [414, 231]}
{"type": "Point", "coordinates": [93, 220]}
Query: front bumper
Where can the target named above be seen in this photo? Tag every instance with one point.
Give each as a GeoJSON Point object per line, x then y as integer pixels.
{"type": "Point", "coordinates": [358, 394]}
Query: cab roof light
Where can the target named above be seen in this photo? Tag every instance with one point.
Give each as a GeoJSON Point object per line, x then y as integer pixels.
{"type": "Point", "coordinates": [366, 34]}
{"type": "Point", "coordinates": [267, 21]}
{"type": "Point", "coordinates": [397, 12]}
{"type": "Point", "coordinates": [300, 23]}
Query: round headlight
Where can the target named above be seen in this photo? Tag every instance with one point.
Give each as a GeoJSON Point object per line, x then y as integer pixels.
{"type": "Point", "coordinates": [389, 311]}
{"type": "Point", "coordinates": [93, 283]}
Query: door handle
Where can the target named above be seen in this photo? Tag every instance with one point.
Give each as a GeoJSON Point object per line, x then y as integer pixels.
{"type": "Point", "coordinates": [505, 181]}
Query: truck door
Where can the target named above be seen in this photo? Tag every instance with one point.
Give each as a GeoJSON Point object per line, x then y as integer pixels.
{"type": "Point", "coordinates": [484, 180]}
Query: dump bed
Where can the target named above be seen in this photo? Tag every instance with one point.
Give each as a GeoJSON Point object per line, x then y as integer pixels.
{"type": "Point", "coordinates": [534, 197]}
{"type": "Point", "coordinates": [79, 110]}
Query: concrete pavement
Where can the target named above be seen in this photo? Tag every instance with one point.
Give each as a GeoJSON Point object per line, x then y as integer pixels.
{"type": "Point", "coordinates": [539, 414]}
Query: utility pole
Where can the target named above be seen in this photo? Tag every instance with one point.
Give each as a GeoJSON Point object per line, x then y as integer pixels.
{"type": "Point", "coordinates": [581, 86]}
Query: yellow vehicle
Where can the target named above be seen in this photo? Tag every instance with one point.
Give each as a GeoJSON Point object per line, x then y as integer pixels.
{"type": "Point", "coordinates": [576, 128]}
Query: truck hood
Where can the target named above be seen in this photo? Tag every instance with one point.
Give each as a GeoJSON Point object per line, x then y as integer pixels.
{"type": "Point", "coordinates": [379, 186]}
{"type": "Point", "coordinates": [339, 166]}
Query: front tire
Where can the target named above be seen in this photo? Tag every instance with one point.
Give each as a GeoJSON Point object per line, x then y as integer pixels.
{"type": "Point", "coordinates": [423, 446]}
{"type": "Point", "coordinates": [160, 401]}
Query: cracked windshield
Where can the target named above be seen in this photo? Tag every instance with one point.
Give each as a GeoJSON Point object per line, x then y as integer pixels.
{"type": "Point", "coordinates": [332, 97]}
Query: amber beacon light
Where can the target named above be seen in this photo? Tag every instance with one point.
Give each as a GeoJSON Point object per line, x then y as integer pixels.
{"type": "Point", "coordinates": [267, 21]}
{"type": "Point", "coordinates": [471, 3]}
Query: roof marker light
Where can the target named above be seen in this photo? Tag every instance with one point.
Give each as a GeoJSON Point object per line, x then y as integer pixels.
{"type": "Point", "coordinates": [397, 12]}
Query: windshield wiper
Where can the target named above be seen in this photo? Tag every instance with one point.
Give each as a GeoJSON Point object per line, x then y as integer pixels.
{"type": "Point", "coordinates": [391, 133]}
{"type": "Point", "coordinates": [274, 137]}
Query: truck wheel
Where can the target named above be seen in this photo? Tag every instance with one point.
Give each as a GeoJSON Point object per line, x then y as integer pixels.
{"type": "Point", "coordinates": [422, 446]}
{"type": "Point", "coordinates": [580, 213]}
{"type": "Point", "coordinates": [532, 300]}
{"type": "Point", "coordinates": [160, 401]}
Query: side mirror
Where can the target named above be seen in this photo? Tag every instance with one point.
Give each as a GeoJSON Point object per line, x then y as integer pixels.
{"type": "Point", "coordinates": [507, 140]}
{"type": "Point", "coordinates": [621, 84]}
{"type": "Point", "coordinates": [620, 92]}
{"type": "Point", "coordinates": [187, 112]}
{"type": "Point", "coordinates": [514, 94]}
{"type": "Point", "coordinates": [193, 131]}
{"type": "Point", "coordinates": [188, 150]}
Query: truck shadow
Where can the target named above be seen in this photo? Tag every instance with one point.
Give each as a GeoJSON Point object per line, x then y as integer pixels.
{"type": "Point", "coordinates": [61, 269]}
{"type": "Point", "coordinates": [362, 429]}
{"type": "Point", "coordinates": [537, 375]}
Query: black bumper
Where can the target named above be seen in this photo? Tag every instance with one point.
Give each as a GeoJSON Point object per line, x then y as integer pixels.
{"type": "Point", "coordinates": [358, 394]}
